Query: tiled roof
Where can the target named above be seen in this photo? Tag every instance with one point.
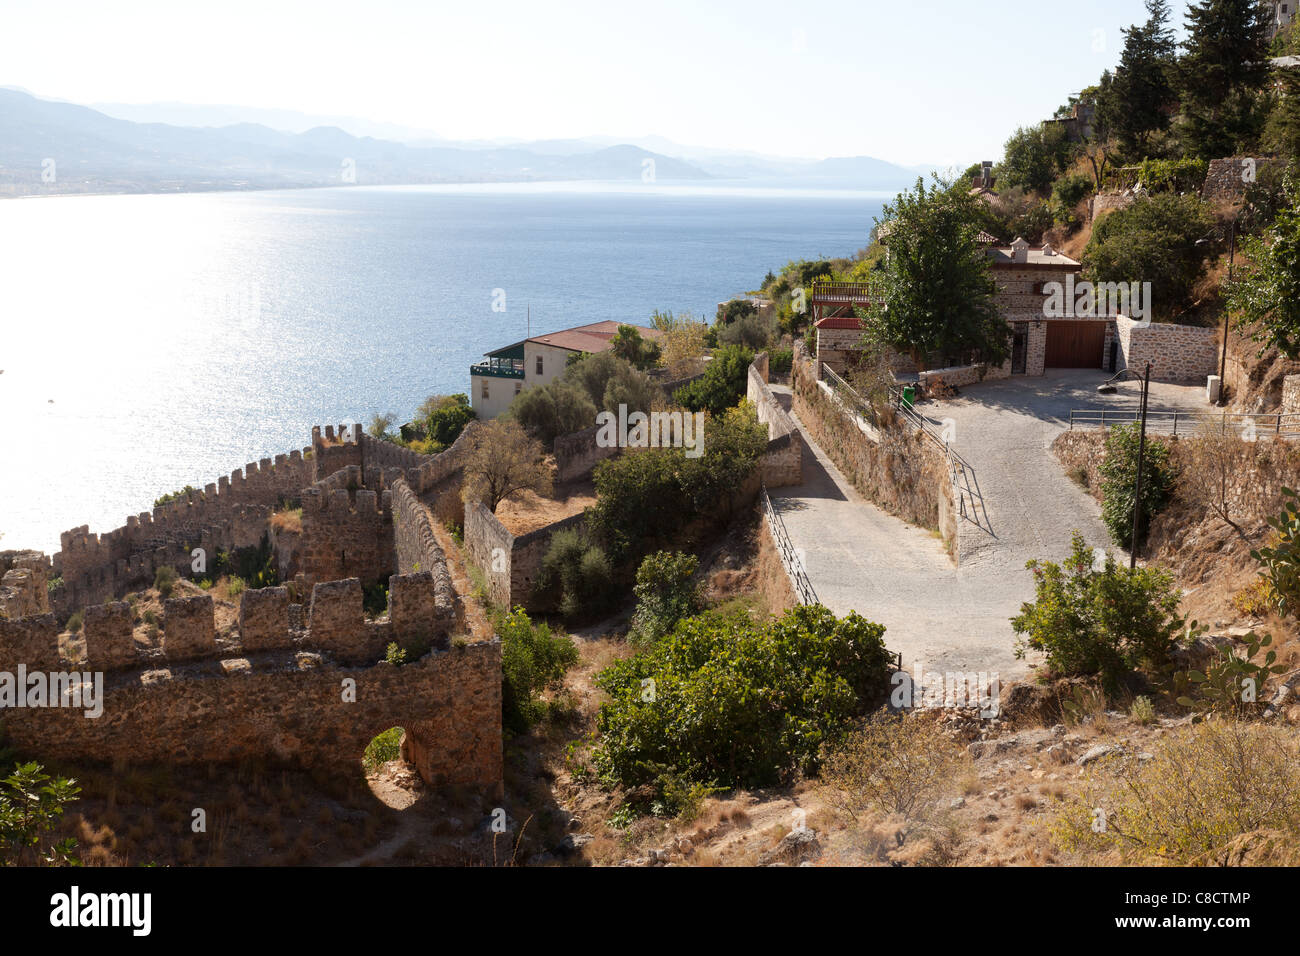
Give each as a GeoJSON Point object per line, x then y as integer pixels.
{"type": "Point", "coordinates": [595, 337]}
{"type": "Point", "coordinates": [1002, 256]}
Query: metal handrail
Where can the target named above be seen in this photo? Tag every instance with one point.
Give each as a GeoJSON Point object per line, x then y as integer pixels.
{"type": "Point", "coordinates": [789, 556]}
{"type": "Point", "coordinates": [961, 473]}
{"type": "Point", "coordinates": [1279, 424]}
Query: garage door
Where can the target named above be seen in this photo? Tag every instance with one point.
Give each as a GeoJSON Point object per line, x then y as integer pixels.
{"type": "Point", "coordinates": [1075, 344]}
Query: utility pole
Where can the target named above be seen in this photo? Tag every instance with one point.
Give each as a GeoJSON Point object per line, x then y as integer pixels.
{"type": "Point", "coordinates": [1137, 490]}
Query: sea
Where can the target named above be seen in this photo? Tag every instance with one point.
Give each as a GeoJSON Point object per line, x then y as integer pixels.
{"type": "Point", "coordinates": [153, 341]}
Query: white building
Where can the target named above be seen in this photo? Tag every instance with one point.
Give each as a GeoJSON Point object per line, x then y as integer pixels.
{"type": "Point", "coordinates": [540, 360]}
{"type": "Point", "coordinates": [1283, 11]}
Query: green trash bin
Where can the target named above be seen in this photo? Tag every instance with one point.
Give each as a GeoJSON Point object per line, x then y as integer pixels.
{"type": "Point", "coordinates": [909, 396]}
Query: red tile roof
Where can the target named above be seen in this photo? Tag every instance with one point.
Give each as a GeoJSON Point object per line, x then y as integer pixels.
{"type": "Point", "coordinates": [595, 337]}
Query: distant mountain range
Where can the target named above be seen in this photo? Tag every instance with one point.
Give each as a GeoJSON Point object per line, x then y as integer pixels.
{"type": "Point", "coordinates": [49, 146]}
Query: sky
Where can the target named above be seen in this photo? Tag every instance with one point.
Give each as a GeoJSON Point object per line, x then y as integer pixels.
{"type": "Point", "coordinates": [939, 83]}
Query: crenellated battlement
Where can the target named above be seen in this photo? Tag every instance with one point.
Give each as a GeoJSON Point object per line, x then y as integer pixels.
{"type": "Point", "coordinates": [302, 698]}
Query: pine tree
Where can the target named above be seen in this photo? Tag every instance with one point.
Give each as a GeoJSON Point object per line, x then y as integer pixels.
{"type": "Point", "coordinates": [1222, 76]}
{"type": "Point", "coordinates": [1143, 87]}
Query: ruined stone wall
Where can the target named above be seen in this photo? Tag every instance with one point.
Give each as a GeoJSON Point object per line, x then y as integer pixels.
{"type": "Point", "coordinates": [24, 583]}
{"type": "Point", "coordinates": [273, 691]}
{"type": "Point", "coordinates": [897, 468]}
{"type": "Point", "coordinates": [346, 534]}
{"type": "Point", "coordinates": [227, 514]}
{"type": "Point", "coordinates": [335, 449]}
{"type": "Point", "coordinates": [577, 453]}
{"type": "Point", "coordinates": [418, 553]}
{"type": "Point", "coordinates": [509, 564]}
{"type": "Point", "coordinates": [1177, 353]}
{"type": "Point", "coordinates": [1226, 180]}
{"type": "Point", "coordinates": [782, 462]}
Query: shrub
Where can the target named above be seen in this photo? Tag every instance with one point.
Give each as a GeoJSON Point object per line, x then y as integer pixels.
{"type": "Point", "coordinates": [532, 660]}
{"type": "Point", "coordinates": [385, 747]}
{"type": "Point", "coordinates": [609, 380]}
{"type": "Point", "coordinates": [548, 411]}
{"type": "Point", "coordinates": [666, 592]}
{"type": "Point", "coordinates": [1204, 787]}
{"type": "Point", "coordinates": [728, 701]}
{"type": "Point", "coordinates": [374, 597]}
{"type": "Point", "coordinates": [780, 361]}
{"type": "Point", "coordinates": [175, 496]}
{"type": "Point", "coordinates": [575, 577]}
{"type": "Point", "coordinates": [1233, 684]}
{"type": "Point", "coordinates": [444, 417]}
{"type": "Point", "coordinates": [1154, 240]}
{"type": "Point", "coordinates": [74, 623]}
{"type": "Point", "coordinates": [723, 383]}
{"type": "Point", "coordinates": [1099, 621]}
{"type": "Point", "coordinates": [751, 331]}
{"type": "Point", "coordinates": [629, 346]}
{"type": "Point", "coordinates": [892, 765]}
{"type": "Point", "coordinates": [164, 579]}
{"type": "Point", "coordinates": [1172, 175]}
{"type": "Point", "coordinates": [1071, 190]}
{"type": "Point", "coordinates": [31, 805]}
{"type": "Point", "coordinates": [1118, 482]}
{"type": "Point", "coordinates": [235, 587]}
{"type": "Point", "coordinates": [735, 309]}
{"type": "Point", "coordinates": [1143, 711]}
{"type": "Point", "coordinates": [1280, 561]}
{"type": "Point", "coordinates": [649, 495]}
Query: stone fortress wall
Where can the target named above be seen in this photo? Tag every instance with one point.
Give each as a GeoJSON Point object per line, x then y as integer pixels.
{"type": "Point", "coordinates": [272, 688]}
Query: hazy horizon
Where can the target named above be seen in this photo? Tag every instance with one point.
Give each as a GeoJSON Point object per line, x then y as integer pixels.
{"type": "Point", "coordinates": [742, 78]}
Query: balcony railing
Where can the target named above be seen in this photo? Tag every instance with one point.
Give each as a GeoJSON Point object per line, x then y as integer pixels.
{"type": "Point", "coordinates": [498, 369]}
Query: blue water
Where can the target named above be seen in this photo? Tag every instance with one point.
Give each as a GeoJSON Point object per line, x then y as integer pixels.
{"type": "Point", "coordinates": [148, 342]}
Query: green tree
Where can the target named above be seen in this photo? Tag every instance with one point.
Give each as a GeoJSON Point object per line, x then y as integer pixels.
{"type": "Point", "coordinates": [1099, 618]}
{"type": "Point", "coordinates": [730, 701]}
{"type": "Point", "coordinates": [575, 577]}
{"type": "Point", "coordinates": [1033, 157]}
{"type": "Point", "coordinates": [1156, 240]}
{"type": "Point", "coordinates": [31, 805]}
{"type": "Point", "coordinates": [723, 383]}
{"type": "Point", "coordinates": [445, 417]}
{"type": "Point", "coordinates": [646, 497]}
{"type": "Point", "coordinates": [936, 290]}
{"type": "Point", "coordinates": [557, 408]}
{"type": "Point", "coordinates": [610, 381]}
{"type": "Point", "coordinates": [1264, 295]}
{"type": "Point", "coordinates": [628, 345]}
{"type": "Point", "coordinates": [666, 592]}
{"type": "Point", "coordinates": [1143, 82]}
{"type": "Point", "coordinates": [1119, 482]}
{"type": "Point", "coordinates": [533, 658]}
{"type": "Point", "coordinates": [1222, 77]}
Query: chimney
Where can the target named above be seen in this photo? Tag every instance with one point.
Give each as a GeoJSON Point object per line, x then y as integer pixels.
{"type": "Point", "coordinates": [1019, 250]}
{"type": "Point", "coordinates": [986, 173]}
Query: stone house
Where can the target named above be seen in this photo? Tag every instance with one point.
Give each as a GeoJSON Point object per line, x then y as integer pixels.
{"type": "Point", "coordinates": [538, 360]}
{"type": "Point", "coordinates": [1036, 296]}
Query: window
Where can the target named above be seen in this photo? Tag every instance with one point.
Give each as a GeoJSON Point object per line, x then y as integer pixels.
{"type": "Point", "coordinates": [539, 365]}
{"type": "Point", "coordinates": [483, 392]}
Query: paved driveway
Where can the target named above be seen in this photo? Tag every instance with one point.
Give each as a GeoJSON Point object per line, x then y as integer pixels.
{"type": "Point", "coordinates": [941, 617]}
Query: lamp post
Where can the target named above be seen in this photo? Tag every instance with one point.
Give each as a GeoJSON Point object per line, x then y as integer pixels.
{"type": "Point", "coordinates": [1107, 388]}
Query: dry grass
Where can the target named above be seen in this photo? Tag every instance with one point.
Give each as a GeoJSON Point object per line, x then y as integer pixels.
{"type": "Point", "coordinates": [288, 520]}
